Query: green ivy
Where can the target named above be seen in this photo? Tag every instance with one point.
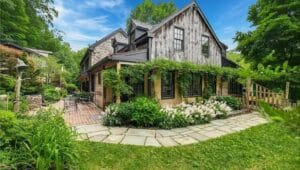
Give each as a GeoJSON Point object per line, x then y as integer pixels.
{"type": "Point", "coordinates": [112, 79]}
{"type": "Point", "coordinates": [184, 69]}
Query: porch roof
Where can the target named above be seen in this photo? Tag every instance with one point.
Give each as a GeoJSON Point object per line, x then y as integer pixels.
{"type": "Point", "coordinates": [137, 56]}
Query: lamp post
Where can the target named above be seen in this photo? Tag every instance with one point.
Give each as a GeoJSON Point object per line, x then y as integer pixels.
{"type": "Point", "coordinates": [20, 67]}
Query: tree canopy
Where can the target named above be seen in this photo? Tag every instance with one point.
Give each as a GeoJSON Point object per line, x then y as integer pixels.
{"type": "Point", "coordinates": [276, 34]}
{"type": "Point", "coordinates": [150, 12]}
{"type": "Point", "coordinates": [29, 23]}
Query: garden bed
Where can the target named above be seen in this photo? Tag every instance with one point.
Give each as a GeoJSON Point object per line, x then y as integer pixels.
{"type": "Point", "coordinates": [144, 112]}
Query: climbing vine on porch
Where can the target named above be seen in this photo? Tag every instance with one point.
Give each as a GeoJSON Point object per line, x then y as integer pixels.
{"type": "Point", "coordinates": [184, 69]}
{"type": "Point", "coordinates": [112, 79]}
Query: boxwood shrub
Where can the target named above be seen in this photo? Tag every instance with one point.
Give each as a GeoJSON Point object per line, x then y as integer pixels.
{"type": "Point", "coordinates": [232, 102]}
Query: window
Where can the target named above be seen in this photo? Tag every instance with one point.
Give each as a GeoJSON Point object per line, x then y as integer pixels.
{"type": "Point", "coordinates": [178, 39]}
{"type": "Point", "coordinates": [167, 86]}
{"type": "Point", "coordinates": [205, 45]}
{"type": "Point", "coordinates": [195, 87]}
{"type": "Point", "coordinates": [99, 78]}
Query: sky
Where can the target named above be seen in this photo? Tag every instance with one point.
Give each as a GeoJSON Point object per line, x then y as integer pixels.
{"type": "Point", "coordinates": [82, 22]}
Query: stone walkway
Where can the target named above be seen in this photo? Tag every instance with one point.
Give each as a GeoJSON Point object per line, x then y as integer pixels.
{"type": "Point", "coordinates": [173, 137]}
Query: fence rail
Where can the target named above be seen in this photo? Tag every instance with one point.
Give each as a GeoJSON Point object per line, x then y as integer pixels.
{"type": "Point", "coordinates": [256, 92]}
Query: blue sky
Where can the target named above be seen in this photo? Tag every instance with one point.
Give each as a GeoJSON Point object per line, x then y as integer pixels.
{"type": "Point", "coordinates": [85, 21]}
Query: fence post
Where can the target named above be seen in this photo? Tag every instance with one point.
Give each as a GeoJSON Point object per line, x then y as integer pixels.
{"type": "Point", "coordinates": [287, 90]}
{"type": "Point", "coordinates": [248, 88]}
{"type": "Point", "coordinates": [286, 94]}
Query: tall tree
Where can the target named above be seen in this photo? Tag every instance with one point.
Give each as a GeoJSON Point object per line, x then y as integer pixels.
{"type": "Point", "coordinates": [276, 34]}
{"type": "Point", "coordinates": [13, 21]}
{"type": "Point", "coordinates": [151, 13]}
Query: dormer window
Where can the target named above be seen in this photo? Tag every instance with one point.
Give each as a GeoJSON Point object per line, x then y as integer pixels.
{"type": "Point", "coordinates": [205, 45]}
{"type": "Point", "coordinates": [178, 39]}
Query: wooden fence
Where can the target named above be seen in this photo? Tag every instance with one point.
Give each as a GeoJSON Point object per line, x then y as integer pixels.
{"type": "Point", "coordinates": [256, 92]}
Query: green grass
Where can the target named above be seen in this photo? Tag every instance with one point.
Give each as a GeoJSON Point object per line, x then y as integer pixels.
{"type": "Point", "coordinates": [269, 146]}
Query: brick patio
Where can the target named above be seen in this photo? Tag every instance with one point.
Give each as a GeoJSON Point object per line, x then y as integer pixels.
{"type": "Point", "coordinates": [85, 114]}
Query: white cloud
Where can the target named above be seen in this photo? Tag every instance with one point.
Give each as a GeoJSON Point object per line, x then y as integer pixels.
{"type": "Point", "coordinates": [97, 23]}
{"type": "Point", "coordinates": [78, 36]}
{"type": "Point", "coordinates": [104, 3]}
{"type": "Point", "coordinates": [229, 29]}
{"type": "Point", "coordinates": [78, 28]}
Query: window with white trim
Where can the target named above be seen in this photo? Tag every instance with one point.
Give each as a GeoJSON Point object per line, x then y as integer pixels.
{"type": "Point", "coordinates": [205, 45]}
{"type": "Point", "coordinates": [178, 39]}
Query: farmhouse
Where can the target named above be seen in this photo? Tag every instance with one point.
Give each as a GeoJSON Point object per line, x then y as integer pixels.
{"type": "Point", "coordinates": [186, 35]}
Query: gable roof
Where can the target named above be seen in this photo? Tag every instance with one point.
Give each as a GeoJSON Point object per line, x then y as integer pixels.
{"type": "Point", "coordinates": [138, 23]}
{"type": "Point", "coordinates": [191, 4]}
{"type": "Point", "coordinates": [38, 52]}
{"type": "Point", "coordinates": [137, 56]}
{"type": "Point", "coordinates": [93, 46]}
{"type": "Point", "coordinates": [119, 30]}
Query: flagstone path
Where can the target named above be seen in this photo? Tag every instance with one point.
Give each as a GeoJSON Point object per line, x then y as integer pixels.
{"type": "Point", "coordinates": [178, 136]}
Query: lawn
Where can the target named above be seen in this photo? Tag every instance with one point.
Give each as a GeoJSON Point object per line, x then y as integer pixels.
{"type": "Point", "coordinates": [269, 146]}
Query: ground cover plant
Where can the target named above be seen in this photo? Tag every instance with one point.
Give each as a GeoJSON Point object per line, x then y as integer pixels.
{"type": "Point", "coordinates": [40, 142]}
{"type": "Point", "coordinates": [290, 117]}
{"type": "Point", "coordinates": [145, 112]}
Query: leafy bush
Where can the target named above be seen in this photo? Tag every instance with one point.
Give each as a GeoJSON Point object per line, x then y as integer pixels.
{"type": "Point", "coordinates": [144, 112]}
{"type": "Point", "coordinates": [290, 118]}
{"type": "Point", "coordinates": [179, 120]}
{"type": "Point", "coordinates": [53, 144]}
{"type": "Point", "coordinates": [50, 94]}
{"type": "Point", "coordinates": [230, 101]}
{"type": "Point", "coordinates": [7, 83]}
{"type": "Point", "coordinates": [8, 121]}
{"type": "Point", "coordinates": [4, 105]}
{"type": "Point", "coordinates": [63, 92]}
{"type": "Point", "coordinates": [71, 88]}
{"type": "Point", "coordinates": [47, 142]}
{"type": "Point", "coordinates": [139, 112]}
{"type": "Point", "coordinates": [112, 120]}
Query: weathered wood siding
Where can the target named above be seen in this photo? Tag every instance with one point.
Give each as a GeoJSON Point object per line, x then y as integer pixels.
{"type": "Point", "coordinates": [105, 48]}
{"type": "Point", "coordinates": [162, 44]}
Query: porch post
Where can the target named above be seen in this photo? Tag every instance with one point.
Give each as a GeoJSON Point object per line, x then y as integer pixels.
{"type": "Point", "coordinates": [248, 87]}
{"type": "Point", "coordinates": [218, 86]}
{"type": "Point", "coordinates": [118, 95]}
{"type": "Point", "coordinates": [90, 82]}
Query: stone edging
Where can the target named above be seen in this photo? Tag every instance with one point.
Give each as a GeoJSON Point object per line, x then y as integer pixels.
{"type": "Point", "coordinates": [172, 137]}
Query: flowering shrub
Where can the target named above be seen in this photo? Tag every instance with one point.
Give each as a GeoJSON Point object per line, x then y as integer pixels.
{"type": "Point", "coordinates": [144, 113]}
{"type": "Point", "coordinates": [196, 113]}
